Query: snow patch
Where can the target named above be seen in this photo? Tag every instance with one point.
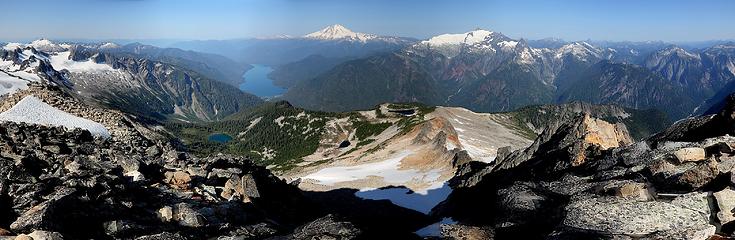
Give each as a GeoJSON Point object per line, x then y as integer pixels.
{"type": "Point", "coordinates": [12, 46]}
{"type": "Point", "coordinates": [61, 61]}
{"type": "Point", "coordinates": [34, 111]}
{"type": "Point", "coordinates": [508, 45]}
{"type": "Point", "coordinates": [109, 45]}
{"type": "Point", "coordinates": [389, 170]}
{"type": "Point", "coordinates": [46, 45]}
{"type": "Point", "coordinates": [461, 38]}
{"type": "Point", "coordinates": [11, 84]}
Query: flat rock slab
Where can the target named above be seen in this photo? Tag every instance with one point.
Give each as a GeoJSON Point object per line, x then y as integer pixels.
{"type": "Point", "coordinates": [726, 203]}
{"type": "Point", "coordinates": [690, 154]}
{"type": "Point", "coordinates": [617, 216]}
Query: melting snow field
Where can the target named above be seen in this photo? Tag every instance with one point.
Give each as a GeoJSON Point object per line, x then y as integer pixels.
{"type": "Point", "coordinates": [32, 110]}
{"type": "Point", "coordinates": [421, 200]}
{"type": "Point", "coordinates": [388, 170]}
{"type": "Point", "coordinates": [453, 39]}
{"type": "Point", "coordinates": [62, 61]}
{"type": "Point", "coordinates": [11, 84]}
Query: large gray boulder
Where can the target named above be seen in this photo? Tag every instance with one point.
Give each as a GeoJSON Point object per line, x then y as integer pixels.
{"type": "Point", "coordinates": [631, 218]}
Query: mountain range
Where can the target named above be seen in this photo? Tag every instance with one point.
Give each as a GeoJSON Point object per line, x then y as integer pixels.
{"type": "Point", "coordinates": [487, 71]}
{"type": "Point", "coordinates": [460, 136]}
{"type": "Point", "coordinates": [144, 80]}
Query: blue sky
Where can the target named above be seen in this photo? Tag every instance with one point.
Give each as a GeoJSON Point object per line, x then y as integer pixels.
{"type": "Point", "coordinates": [635, 20]}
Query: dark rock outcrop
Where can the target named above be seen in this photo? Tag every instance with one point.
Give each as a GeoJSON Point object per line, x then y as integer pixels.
{"type": "Point", "coordinates": [667, 187]}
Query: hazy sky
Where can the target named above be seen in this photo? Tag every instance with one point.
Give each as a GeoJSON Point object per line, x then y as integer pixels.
{"type": "Point", "coordinates": [635, 20]}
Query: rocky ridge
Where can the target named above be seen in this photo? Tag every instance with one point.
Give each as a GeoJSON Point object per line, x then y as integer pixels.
{"type": "Point", "coordinates": [62, 183]}
{"type": "Point", "coordinates": [674, 185]}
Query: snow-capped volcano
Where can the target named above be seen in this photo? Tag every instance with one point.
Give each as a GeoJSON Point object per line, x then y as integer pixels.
{"type": "Point", "coordinates": [339, 32]}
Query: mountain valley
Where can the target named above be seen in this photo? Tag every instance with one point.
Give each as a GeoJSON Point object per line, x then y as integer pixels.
{"type": "Point", "coordinates": [471, 135]}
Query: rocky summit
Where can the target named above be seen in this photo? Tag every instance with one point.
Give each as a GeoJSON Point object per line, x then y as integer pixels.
{"type": "Point", "coordinates": [590, 181]}
{"type": "Point", "coordinates": [59, 183]}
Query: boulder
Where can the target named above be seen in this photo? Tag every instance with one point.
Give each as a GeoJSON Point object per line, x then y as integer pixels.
{"type": "Point", "coordinates": [256, 231]}
{"type": "Point", "coordinates": [699, 175]}
{"type": "Point", "coordinates": [38, 217]}
{"type": "Point", "coordinates": [135, 175]}
{"type": "Point", "coordinates": [244, 188]}
{"type": "Point", "coordinates": [163, 236]}
{"type": "Point", "coordinates": [187, 216]}
{"type": "Point", "coordinates": [45, 235]}
{"type": "Point", "coordinates": [179, 179]}
{"type": "Point", "coordinates": [726, 164]}
{"type": "Point", "coordinates": [726, 203]}
{"type": "Point", "coordinates": [718, 148]}
{"type": "Point", "coordinates": [690, 154]}
{"type": "Point", "coordinates": [128, 164]}
{"type": "Point", "coordinates": [519, 202]}
{"type": "Point", "coordinates": [153, 151]}
{"type": "Point", "coordinates": [120, 228]}
{"type": "Point", "coordinates": [630, 189]}
{"type": "Point", "coordinates": [626, 217]}
{"type": "Point", "coordinates": [327, 227]}
{"type": "Point", "coordinates": [458, 231]}
{"type": "Point", "coordinates": [697, 201]}
{"type": "Point", "coordinates": [166, 214]}
{"type": "Point", "coordinates": [23, 237]}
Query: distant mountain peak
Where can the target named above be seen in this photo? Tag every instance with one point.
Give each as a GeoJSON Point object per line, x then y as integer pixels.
{"type": "Point", "coordinates": [339, 32]}
{"type": "Point", "coordinates": [468, 38]}
{"type": "Point", "coordinates": [42, 44]}
{"type": "Point", "coordinates": [678, 51]}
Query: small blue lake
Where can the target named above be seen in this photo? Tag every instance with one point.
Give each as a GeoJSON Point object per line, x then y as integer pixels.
{"type": "Point", "coordinates": [219, 138]}
{"type": "Point", "coordinates": [258, 83]}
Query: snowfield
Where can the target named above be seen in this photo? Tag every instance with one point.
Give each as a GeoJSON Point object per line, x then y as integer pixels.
{"type": "Point", "coordinates": [10, 84]}
{"type": "Point", "coordinates": [32, 110]}
{"type": "Point", "coordinates": [468, 38]}
{"type": "Point", "coordinates": [61, 61]}
{"type": "Point", "coordinates": [389, 170]}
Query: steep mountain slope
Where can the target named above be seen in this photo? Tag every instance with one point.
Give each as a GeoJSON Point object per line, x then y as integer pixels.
{"type": "Point", "coordinates": [702, 74]}
{"type": "Point", "coordinates": [212, 66]}
{"type": "Point", "coordinates": [506, 88]}
{"type": "Point", "coordinates": [364, 83]}
{"type": "Point", "coordinates": [640, 123]}
{"type": "Point", "coordinates": [129, 82]}
{"type": "Point", "coordinates": [629, 86]}
{"type": "Point", "coordinates": [291, 74]}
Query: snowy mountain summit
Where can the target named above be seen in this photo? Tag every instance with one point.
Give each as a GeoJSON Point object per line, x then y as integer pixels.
{"type": "Point", "coordinates": [339, 32]}
{"type": "Point", "coordinates": [469, 38]}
